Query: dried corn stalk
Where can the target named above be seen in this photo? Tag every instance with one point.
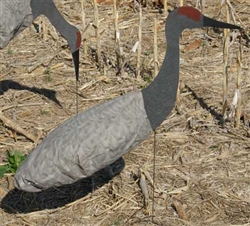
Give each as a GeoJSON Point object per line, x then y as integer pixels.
{"type": "Point", "coordinates": [117, 40]}
{"type": "Point", "coordinates": [225, 63]}
{"type": "Point", "coordinates": [238, 85]}
{"type": "Point", "coordinates": [155, 49]}
{"type": "Point", "coordinates": [97, 32]}
{"type": "Point", "coordinates": [84, 27]}
{"type": "Point", "coordinates": [165, 4]}
{"type": "Point", "coordinates": [138, 68]}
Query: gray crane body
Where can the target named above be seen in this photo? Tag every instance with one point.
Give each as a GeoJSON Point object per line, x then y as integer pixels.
{"type": "Point", "coordinates": [100, 135]}
{"type": "Point", "coordinates": [85, 144]}
{"type": "Point", "coordinates": [16, 15]}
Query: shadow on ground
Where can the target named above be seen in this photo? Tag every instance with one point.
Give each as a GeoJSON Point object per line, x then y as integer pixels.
{"type": "Point", "coordinates": [23, 202]}
{"type": "Point", "coordinates": [5, 85]}
{"type": "Point", "coordinates": [204, 105]}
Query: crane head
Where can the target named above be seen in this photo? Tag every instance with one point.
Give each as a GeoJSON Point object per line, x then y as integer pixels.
{"type": "Point", "coordinates": [190, 13]}
{"type": "Point", "coordinates": [189, 17]}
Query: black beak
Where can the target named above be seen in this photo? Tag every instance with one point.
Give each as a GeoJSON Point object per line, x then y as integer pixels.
{"type": "Point", "coordinates": [208, 22]}
{"type": "Point", "coordinates": [76, 63]}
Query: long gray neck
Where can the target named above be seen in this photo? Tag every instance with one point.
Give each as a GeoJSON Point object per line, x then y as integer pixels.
{"type": "Point", "coordinates": [159, 97]}
{"type": "Point", "coordinates": [48, 8]}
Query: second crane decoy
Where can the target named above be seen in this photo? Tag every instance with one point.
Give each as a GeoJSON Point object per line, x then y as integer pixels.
{"type": "Point", "coordinates": [102, 134]}
{"type": "Point", "coordinates": [16, 15]}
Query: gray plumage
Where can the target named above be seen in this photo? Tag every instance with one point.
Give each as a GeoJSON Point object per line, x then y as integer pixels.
{"type": "Point", "coordinates": [83, 144]}
{"type": "Point", "coordinates": [99, 136]}
{"type": "Point", "coordinates": [16, 15]}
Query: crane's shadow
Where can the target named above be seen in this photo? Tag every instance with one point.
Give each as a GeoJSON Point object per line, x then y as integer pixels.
{"type": "Point", "coordinates": [5, 85]}
{"type": "Point", "coordinates": [204, 105]}
{"type": "Point", "coordinates": [23, 202]}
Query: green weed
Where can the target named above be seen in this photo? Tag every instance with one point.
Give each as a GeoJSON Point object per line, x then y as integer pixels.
{"type": "Point", "coordinates": [14, 160]}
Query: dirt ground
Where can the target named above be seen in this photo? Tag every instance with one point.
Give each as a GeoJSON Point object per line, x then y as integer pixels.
{"type": "Point", "coordinates": [202, 168]}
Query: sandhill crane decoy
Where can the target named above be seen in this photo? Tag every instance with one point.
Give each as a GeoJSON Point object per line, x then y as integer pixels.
{"type": "Point", "coordinates": [16, 15]}
{"type": "Point", "coordinates": [97, 137]}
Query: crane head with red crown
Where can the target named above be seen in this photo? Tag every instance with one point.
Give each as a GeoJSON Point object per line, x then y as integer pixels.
{"type": "Point", "coordinates": [189, 17]}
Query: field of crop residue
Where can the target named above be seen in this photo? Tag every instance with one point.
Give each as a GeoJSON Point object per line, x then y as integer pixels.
{"type": "Point", "coordinates": [202, 168]}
